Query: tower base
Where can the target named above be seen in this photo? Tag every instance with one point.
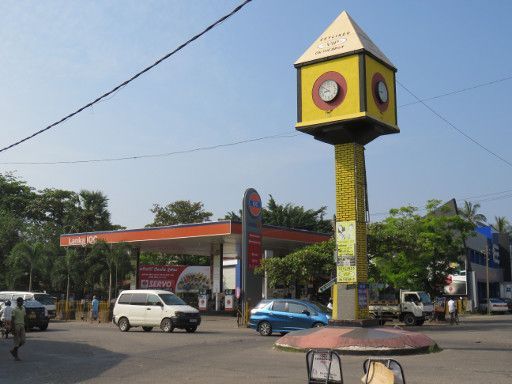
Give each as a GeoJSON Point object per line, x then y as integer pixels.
{"type": "Point", "coordinates": [358, 341]}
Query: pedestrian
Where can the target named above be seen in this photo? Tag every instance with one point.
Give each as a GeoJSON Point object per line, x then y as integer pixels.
{"type": "Point", "coordinates": [452, 308]}
{"type": "Point", "coordinates": [18, 322]}
{"type": "Point", "coordinates": [95, 305]}
{"type": "Point", "coordinates": [329, 305]}
{"type": "Point", "coordinates": [5, 317]}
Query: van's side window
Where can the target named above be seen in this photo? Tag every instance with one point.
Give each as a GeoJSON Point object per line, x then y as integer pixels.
{"type": "Point", "coordinates": [138, 299]}
{"type": "Point", "coordinates": [153, 299]}
{"type": "Point", "coordinates": [125, 298]}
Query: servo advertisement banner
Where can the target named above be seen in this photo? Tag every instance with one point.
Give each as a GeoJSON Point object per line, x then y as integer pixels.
{"type": "Point", "coordinates": [346, 271]}
{"type": "Point", "coordinates": [176, 278]}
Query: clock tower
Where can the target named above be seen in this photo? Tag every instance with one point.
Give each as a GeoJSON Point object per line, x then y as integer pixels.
{"type": "Point", "coordinates": [346, 96]}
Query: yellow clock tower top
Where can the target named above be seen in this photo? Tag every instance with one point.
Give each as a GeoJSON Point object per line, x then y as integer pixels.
{"type": "Point", "coordinates": [345, 87]}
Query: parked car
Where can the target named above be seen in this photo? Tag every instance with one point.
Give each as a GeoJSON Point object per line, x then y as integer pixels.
{"type": "Point", "coordinates": [37, 315]}
{"type": "Point", "coordinates": [154, 308]}
{"type": "Point", "coordinates": [44, 298]}
{"type": "Point", "coordinates": [509, 303]}
{"type": "Point", "coordinates": [497, 305]}
{"type": "Point", "coordinates": [285, 315]}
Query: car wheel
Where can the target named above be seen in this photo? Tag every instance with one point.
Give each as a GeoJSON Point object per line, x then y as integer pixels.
{"type": "Point", "coordinates": [264, 328]}
{"type": "Point", "coordinates": [147, 329]}
{"type": "Point", "coordinates": [166, 325]}
{"type": "Point", "coordinates": [43, 327]}
{"type": "Point", "coordinates": [191, 329]}
{"type": "Point", "coordinates": [123, 324]}
{"type": "Point", "coordinates": [317, 325]}
{"type": "Point", "coordinates": [409, 319]}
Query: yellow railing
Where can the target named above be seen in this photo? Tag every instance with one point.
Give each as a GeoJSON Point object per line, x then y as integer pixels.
{"type": "Point", "coordinates": [77, 310]}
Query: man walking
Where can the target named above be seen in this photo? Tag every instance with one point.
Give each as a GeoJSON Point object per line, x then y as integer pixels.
{"type": "Point", "coordinates": [18, 324]}
{"type": "Point", "coordinates": [452, 310]}
{"type": "Point", "coordinates": [95, 304]}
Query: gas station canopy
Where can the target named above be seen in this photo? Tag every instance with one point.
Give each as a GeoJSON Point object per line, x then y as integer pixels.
{"type": "Point", "coordinates": [197, 239]}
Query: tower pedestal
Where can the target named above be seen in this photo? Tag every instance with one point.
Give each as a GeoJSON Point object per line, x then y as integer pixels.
{"type": "Point", "coordinates": [358, 341]}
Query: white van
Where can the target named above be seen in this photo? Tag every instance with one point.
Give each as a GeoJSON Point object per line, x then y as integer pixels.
{"type": "Point", "coordinates": [154, 308]}
{"type": "Point", "coordinates": [44, 298]}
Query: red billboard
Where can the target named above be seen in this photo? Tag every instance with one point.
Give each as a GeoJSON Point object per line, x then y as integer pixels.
{"type": "Point", "coordinates": [175, 278]}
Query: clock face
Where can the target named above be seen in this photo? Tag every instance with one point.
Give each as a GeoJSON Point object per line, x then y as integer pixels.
{"type": "Point", "coordinates": [328, 90]}
{"type": "Point", "coordinates": [382, 92]}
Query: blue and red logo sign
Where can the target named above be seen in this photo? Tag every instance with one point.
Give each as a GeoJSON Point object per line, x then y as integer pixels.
{"type": "Point", "coordinates": [254, 204]}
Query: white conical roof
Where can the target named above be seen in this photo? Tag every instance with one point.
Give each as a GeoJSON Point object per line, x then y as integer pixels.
{"type": "Point", "coordinates": [342, 37]}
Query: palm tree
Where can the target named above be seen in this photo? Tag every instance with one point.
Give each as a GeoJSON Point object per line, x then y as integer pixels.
{"type": "Point", "coordinates": [26, 256]}
{"type": "Point", "coordinates": [470, 212]}
{"type": "Point", "coordinates": [93, 211]}
{"type": "Point", "coordinates": [501, 224]}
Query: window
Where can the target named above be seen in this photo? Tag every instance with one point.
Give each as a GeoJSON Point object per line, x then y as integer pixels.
{"type": "Point", "coordinates": [153, 299]}
{"type": "Point", "coordinates": [138, 299]}
{"type": "Point", "coordinates": [297, 308]}
{"type": "Point", "coordinates": [279, 306]}
{"type": "Point", "coordinates": [125, 298]}
{"type": "Point", "coordinates": [171, 299]}
{"type": "Point", "coordinates": [44, 299]}
{"type": "Point", "coordinates": [411, 298]}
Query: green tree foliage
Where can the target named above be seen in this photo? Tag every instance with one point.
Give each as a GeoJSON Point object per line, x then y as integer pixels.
{"type": "Point", "coordinates": [411, 251]}
{"type": "Point", "coordinates": [295, 216]}
{"type": "Point", "coordinates": [313, 264]}
{"type": "Point", "coordinates": [501, 224]}
{"type": "Point", "coordinates": [93, 212]}
{"type": "Point", "coordinates": [28, 258]}
{"type": "Point", "coordinates": [290, 216]}
{"type": "Point", "coordinates": [15, 198]}
{"type": "Point", "coordinates": [31, 223]}
{"type": "Point", "coordinates": [67, 270]}
{"type": "Point", "coordinates": [469, 212]}
{"type": "Point", "coordinates": [179, 212]}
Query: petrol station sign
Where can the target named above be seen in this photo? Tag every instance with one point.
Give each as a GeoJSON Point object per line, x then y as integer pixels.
{"type": "Point", "coordinates": [250, 284]}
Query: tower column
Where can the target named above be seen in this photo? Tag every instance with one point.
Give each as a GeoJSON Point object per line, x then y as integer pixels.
{"type": "Point", "coordinates": [349, 302]}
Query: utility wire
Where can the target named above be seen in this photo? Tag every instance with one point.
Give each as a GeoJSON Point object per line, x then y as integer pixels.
{"type": "Point", "coordinates": [459, 91]}
{"type": "Point", "coordinates": [483, 198]}
{"type": "Point", "coordinates": [455, 127]}
{"type": "Point", "coordinates": [126, 82]}
{"type": "Point", "coordinates": [228, 144]}
{"type": "Point", "coordinates": [166, 154]}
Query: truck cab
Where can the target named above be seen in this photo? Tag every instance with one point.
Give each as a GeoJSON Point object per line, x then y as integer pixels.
{"type": "Point", "coordinates": [415, 307]}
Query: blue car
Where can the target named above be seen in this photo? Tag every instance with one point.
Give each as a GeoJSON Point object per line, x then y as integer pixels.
{"type": "Point", "coordinates": [285, 315]}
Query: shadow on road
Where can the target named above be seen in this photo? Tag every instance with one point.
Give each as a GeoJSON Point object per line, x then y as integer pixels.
{"type": "Point", "coordinates": [55, 362]}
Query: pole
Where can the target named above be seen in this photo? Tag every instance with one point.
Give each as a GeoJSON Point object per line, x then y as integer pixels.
{"type": "Point", "coordinates": [487, 280]}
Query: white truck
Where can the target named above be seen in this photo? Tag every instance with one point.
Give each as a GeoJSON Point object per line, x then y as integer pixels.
{"type": "Point", "coordinates": [411, 307]}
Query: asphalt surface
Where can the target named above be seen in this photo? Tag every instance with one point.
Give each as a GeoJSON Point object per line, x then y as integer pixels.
{"type": "Point", "coordinates": [479, 350]}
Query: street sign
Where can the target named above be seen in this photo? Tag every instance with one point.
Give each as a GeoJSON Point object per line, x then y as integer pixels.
{"type": "Point", "coordinates": [327, 285]}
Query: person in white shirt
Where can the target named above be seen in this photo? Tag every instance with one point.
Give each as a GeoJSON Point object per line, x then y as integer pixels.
{"type": "Point", "coordinates": [5, 317]}
{"type": "Point", "coordinates": [452, 310]}
{"type": "Point", "coordinates": [330, 304]}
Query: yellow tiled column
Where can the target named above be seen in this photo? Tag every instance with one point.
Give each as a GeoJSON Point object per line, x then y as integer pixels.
{"type": "Point", "coordinates": [352, 262]}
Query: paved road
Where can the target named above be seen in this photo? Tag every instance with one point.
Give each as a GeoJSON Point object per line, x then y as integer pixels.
{"type": "Point", "coordinates": [477, 351]}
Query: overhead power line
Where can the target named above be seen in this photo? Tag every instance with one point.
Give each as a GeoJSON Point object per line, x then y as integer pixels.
{"type": "Point", "coordinates": [459, 91]}
{"type": "Point", "coordinates": [483, 198]}
{"type": "Point", "coordinates": [126, 82]}
{"type": "Point", "coordinates": [166, 154]}
{"type": "Point", "coordinates": [468, 137]}
{"type": "Point", "coordinates": [132, 157]}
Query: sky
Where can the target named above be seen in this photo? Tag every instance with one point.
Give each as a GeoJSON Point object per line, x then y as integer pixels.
{"type": "Point", "coordinates": [238, 83]}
